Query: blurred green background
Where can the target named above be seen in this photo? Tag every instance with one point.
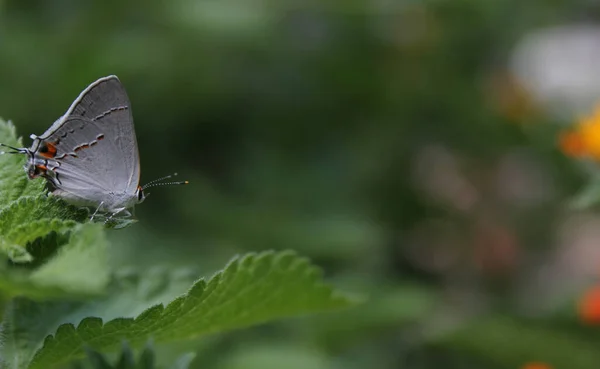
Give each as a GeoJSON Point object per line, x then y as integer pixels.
{"type": "Point", "coordinates": [390, 141]}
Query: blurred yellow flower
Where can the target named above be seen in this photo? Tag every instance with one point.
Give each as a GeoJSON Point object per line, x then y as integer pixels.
{"type": "Point", "coordinates": [584, 140]}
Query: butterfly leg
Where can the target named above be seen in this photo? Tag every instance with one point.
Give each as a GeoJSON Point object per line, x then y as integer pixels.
{"type": "Point", "coordinates": [124, 211]}
{"type": "Point", "coordinates": [96, 212]}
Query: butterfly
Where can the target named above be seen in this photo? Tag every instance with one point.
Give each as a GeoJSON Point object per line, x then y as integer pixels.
{"type": "Point", "coordinates": [89, 156]}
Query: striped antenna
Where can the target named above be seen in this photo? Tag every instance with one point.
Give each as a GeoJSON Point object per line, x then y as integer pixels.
{"type": "Point", "coordinates": [15, 150]}
{"type": "Point", "coordinates": [157, 182]}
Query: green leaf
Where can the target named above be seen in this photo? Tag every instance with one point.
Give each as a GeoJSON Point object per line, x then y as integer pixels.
{"type": "Point", "coordinates": [31, 217]}
{"type": "Point", "coordinates": [77, 269]}
{"type": "Point", "coordinates": [26, 322]}
{"type": "Point", "coordinates": [24, 325]}
{"type": "Point", "coordinates": [252, 289]}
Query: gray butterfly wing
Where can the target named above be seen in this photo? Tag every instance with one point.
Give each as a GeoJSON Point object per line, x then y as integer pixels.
{"type": "Point", "coordinates": [92, 150]}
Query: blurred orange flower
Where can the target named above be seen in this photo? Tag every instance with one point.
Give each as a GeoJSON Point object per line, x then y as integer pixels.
{"type": "Point", "coordinates": [584, 139]}
{"type": "Point", "coordinates": [536, 365]}
{"type": "Point", "coordinates": [589, 306]}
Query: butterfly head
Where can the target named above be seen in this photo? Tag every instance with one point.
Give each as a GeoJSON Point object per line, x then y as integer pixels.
{"type": "Point", "coordinates": [31, 168]}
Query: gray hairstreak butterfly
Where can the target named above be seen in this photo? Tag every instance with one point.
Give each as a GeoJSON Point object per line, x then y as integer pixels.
{"type": "Point", "coordinates": [89, 156]}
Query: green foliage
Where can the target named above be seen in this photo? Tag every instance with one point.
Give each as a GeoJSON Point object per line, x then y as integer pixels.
{"type": "Point", "coordinates": [55, 256]}
{"type": "Point", "coordinates": [27, 323]}
{"type": "Point", "coordinates": [509, 343]}
{"type": "Point", "coordinates": [250, 290]}
{"type": "Point", "coordinates": [26, 213]}
{"type": "Point", "coordinates": [390, 141]}
{"type": "Point", "coordinates": [34, 225]}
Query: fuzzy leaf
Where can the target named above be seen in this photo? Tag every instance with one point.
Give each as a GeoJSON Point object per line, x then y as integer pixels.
{"type": "Point", "coordinates": [252, 289]}
{"type": "Point", "coordinates": [31, 217]}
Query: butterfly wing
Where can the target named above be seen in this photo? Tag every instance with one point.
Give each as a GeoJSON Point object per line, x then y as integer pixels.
{"type": "Point", "coordinates": [91, 152]}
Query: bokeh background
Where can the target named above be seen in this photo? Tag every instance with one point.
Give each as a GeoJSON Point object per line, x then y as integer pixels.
{"type": "Point", "coordinates": [412, 149]}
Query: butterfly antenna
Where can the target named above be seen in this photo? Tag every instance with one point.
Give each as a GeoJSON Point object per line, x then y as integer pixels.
{"type": "Point", "coordinates": [157, 182]}
{"type": "Point", "coordinates": [15, 150]}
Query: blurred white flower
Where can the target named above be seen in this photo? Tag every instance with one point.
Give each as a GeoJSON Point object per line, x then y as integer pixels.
{"type": "Point", "coordinates": [560, 67]}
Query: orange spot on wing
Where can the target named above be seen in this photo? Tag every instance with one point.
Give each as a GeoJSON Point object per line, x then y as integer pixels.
{"type": "Point", "coordinates": [48, 150]}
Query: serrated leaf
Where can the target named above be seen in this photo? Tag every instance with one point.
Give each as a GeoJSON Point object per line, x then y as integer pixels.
{"type": "Point", "coordinates": [252, 289]}
{"type": "Point", "coordinates": [15, 240]}
{"type": "Point", "coordinates": [28, 232]}
{"type": "Point", "coordinates": [77, 269]}
{"type": "Point", "coordinates": [28, 209]}
{"type": "Point", "coordinates": [31, 217]}
{"type": "Point", "coordinates": [27, 323]}
{"type": "Point", "coordinates": [24, 324]}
